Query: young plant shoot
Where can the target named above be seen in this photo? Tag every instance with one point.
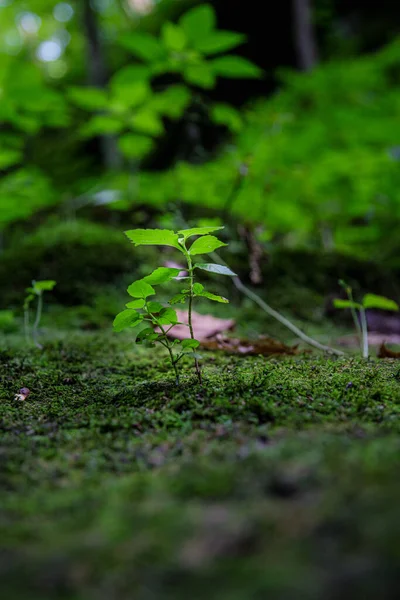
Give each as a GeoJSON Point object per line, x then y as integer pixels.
{"type": "Point", "coordinates": [161, 319]}
{"type": "Point", "coordinates": [358, 312]}
{"type": "Point", "coordinates": [36, 291]}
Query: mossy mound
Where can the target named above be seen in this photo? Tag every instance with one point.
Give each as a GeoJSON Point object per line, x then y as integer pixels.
{"type": "Point", "coordinates": [79, 255]}
{"type": "Point", "coordinates": [277, 478]}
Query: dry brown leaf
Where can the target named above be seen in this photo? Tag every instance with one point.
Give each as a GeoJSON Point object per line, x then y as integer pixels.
{"type": "Point", "coordinates": [204, 326]}
{"type": "Point", "coordinates": [385, 352]}
{"type": "Point", "coordinates": [264, 345]}
{"type": "Point", "coordinates": [374, 339]}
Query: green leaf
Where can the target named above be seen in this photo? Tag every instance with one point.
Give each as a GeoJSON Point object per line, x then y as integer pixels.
{"type": "Point", "coordinates": [338, 303]}
{"type": "Point", "coordinates": [128, 95]}
{"type": "Point", "coordinates": [135, 304]}
{"type": "Point", "coordinates": [101, 125]}
{"type": "Point", "coordinates": [206, 244]}
{"type": "Point", "coordinates": [381, 302]}
{"type": "Point", "coordinates": [235, 67]}
{"type": "Point", "coordinates": [178, 299]}
{"type": "Point", "coordinates": [153, 237]}
{"type": "Point", "coordinates": [89, 98]}
{"type": "Point", "coordinates": [213, 297]}
{"type": "Point", "coordinates": [190, 344]}
{"type": "Point", "coordinates": [200, 74]}
{"type": "Point", "coordinates": [127, 318]}
{"type": "Point", "coordinates": [224, 114]}
{"type": "Point", "coordinates": [143, 45]}
{"type": "Point", "coordinates": [168, 316]}
{"type": "Point", "coordinates": [161, 275]}
{"type": "Point", "coordinates": [129, 75]}
{"type": "Point", "coordinates": [43, 286]}
{"type": "Point", "coordinates": [198, 22]}
{"type": "Point", "coordinates": [140, 289]}
{"type": "Point", "coordinates": [214, 268]}
{"type": "Point", "coordinates": [199, 290]}
{"type": "Point", "coordinates": [135, 146]}
{"type": "Point", "coordinates": [174, 37]}
{"type": "Point", "coordinates": [155, 307]}
{"type": "Point", "coordinates": [148, 122]}
{"type": "Point", "coordinates": [219, 41]}
{"type": "Point", "coordinates": [187, 233]}
{"type": "Point", "coordinates": [172, 102]}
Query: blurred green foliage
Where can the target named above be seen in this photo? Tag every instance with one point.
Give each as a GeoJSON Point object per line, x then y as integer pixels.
{"type": "Point", "coordinates": [317, 164]}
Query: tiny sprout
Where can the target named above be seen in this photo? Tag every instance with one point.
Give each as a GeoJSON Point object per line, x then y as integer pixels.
{"type": "Point", "coordinates": [358, 311]}
{"type": "Point", "coordinates": [162, 319]}
{"type": "Point", "coordinates": [36, 291]}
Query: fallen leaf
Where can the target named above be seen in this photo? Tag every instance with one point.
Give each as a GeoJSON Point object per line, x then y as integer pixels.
{"type": "Point", "coordinates": [264, 345]}
{"type": "Point", "coordinates": [204, 326]}
{"type": "Point", "coordinates": [385, 352]}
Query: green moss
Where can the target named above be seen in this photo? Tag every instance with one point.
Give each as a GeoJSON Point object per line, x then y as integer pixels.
{"type": "Point", "coordinates": [277, 478]}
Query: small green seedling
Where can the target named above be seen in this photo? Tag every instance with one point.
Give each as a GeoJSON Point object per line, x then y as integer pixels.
{"type": "Point", "coordinates": [162, 319]}
{"type": "Point", "coordinates": [358, 311]}
{"type": "Point", "coordinates": [36, 291]}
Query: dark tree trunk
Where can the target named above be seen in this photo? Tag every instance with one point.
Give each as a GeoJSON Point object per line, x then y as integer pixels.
{"type": "Point", "coordinates": [98, 76]}
{"type": "Point", "coordinates": [304, 35]}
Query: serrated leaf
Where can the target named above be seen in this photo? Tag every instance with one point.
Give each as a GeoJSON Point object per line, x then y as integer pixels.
{"type": "Point", "coordinates": [198, 22]}
{"type": "Point", "coordinates": [380, 302]}
{"type": "Point", "coordinates": [155, 307]}
{"type": "Point", "coordinates": [89, 98]}
{"type": "Point", "coordinates": [140, 289]}
{"type": "Point", "coordinates": [214, 268]}
{"type": "Point", "coordinates": [206, 244]}
{"type": "Point", "coordinates": [187, 233]}
{"type": "Point", "coordinates": [161, 275]}
{"type": "Point", "coordinates": [135, 303]}
{"type": "Point", "coordinates": [338, 303]}
{"type": "Point", "coordinates": [168, 316]}
{"type": "Point", "coordinates": [143, 45]}
{"type": "Point", "coordinates": [219, 41]}
{"type": "Point", "coordinates": [190, 344]}
{"type": "Point", "coordinates": [153, 237]}
{"type": "Point", "coordinates": [173, 37]}
{"type": "Point", "coordinates": [127, 318]}
{"type": "Point", "coordinates": [235, 67]}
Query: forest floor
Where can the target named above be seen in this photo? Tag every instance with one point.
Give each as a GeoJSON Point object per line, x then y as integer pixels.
{"type": "Point", "coordinates": [279, 478]}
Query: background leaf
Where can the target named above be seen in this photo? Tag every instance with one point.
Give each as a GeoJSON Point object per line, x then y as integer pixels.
{"type": "Point", "coordinates": [381, 302]}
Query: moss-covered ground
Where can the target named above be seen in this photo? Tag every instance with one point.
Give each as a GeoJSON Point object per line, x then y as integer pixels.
{"type": "Point", "coordinates": [276, 479]}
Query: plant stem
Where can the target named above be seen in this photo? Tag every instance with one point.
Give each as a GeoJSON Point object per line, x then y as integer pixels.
{"type": "Point", "coordinates": [364, 330]}
{"type": "Point", "coordinates": [39, 311]}
{"type": "Point", "coordinates": [166, 344]}
{"type": "Point", "coordinates": [190, 323]}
